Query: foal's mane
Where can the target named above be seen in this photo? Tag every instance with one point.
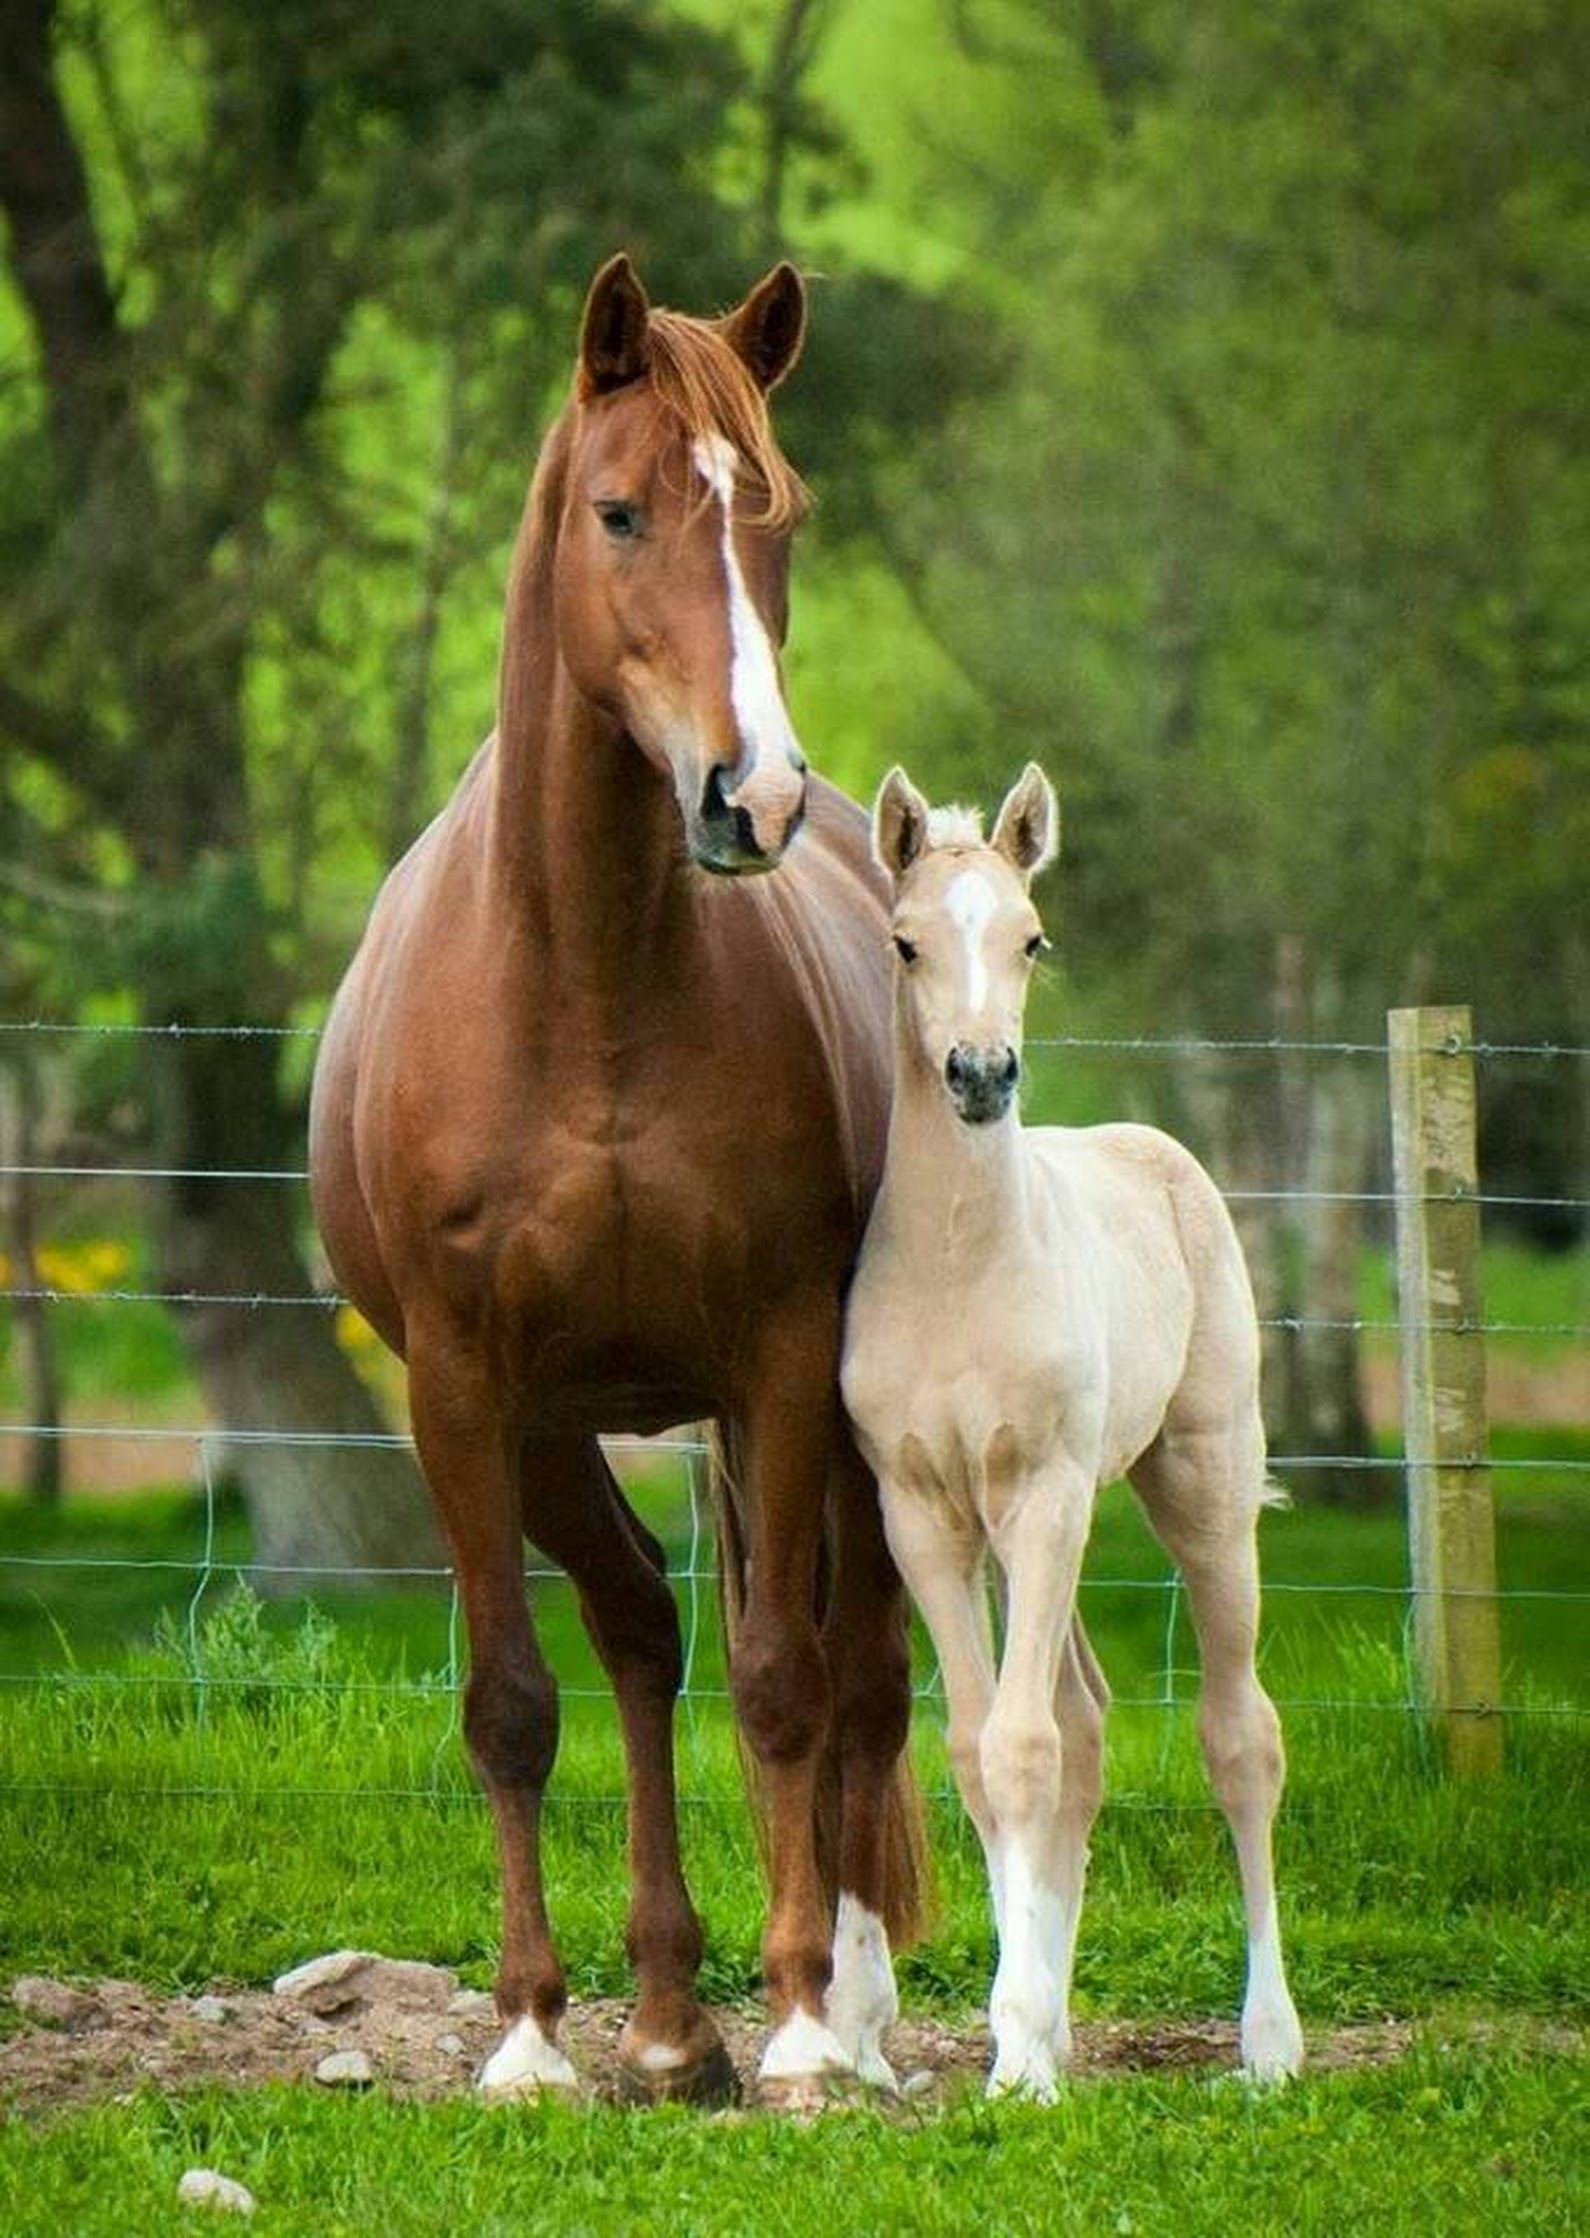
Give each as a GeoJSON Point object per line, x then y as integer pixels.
{"type": "Point", "coordinates": [700, 378]}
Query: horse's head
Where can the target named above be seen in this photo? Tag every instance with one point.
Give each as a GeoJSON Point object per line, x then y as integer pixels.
{"type": "Point", "coordinates": [965, 932]}
{"type": "Point", "coordinates": [673, 553]}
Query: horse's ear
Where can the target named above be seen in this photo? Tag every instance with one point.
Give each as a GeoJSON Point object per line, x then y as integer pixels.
{"type": "Point", "coordinates": [1027, 833]}
{"type": "Point", "coordinates": [613, 348]}
{"type": "Point", "coordinates": [899, 824]}
{"type": "Point", "coordinates": [769, 327]}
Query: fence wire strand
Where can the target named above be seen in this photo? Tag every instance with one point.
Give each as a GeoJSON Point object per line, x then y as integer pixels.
{"type": "Point", "coordinates": [206, 1684]}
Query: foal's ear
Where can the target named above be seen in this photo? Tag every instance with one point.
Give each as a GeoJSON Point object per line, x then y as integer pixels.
{"type": "Point", "coordinates": [1027, 833]}
{"type": "Point", "coordinates": [899, 824]}
{"type": "Point", "coordinates": [613, 350]}
{"type": "Point", "coordinates": [769, 327]}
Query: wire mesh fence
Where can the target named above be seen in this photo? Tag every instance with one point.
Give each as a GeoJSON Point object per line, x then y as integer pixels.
{"type": "Point", "coordinates": [202, 1575]}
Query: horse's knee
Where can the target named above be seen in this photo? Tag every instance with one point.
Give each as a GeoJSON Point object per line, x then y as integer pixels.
{"type": "Point", "coordinates": [963, 1745]}
{"type": "Point", "coordinates": [780, 1685]}
{"type": "Point", "coordinates": [1020, 1764]}
{"type": "Point", "coordinates": [511, 1725]}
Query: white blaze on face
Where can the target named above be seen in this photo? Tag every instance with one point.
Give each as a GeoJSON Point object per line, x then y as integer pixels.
{"type": "Point", "coordinates": [971, 901]}
{"type": "Point", "coordinates": [754, 689]}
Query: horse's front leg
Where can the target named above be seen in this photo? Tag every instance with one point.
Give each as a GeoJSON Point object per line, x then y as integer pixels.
{"type": "Point", "coordinates": [510, 1702]}
{"type": "Point", "coordinates": [1038, 1541]}
{"type": "Point", "coordinates": [880, 1833]}
{"type": "Point", "coordinates": [575, 1511]}
{"type": "Point", "coordinates": [784, 1435]}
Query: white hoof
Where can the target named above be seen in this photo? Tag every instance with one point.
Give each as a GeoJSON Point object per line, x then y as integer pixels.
{"type": "Point", "coordinates": [525, 2063]}
{"type": "Point", "coordinates": [1272, 2042]}
{"type": "Point", "coordinates": [1030, 2073]}
{"type": "Point", "coordinates": [803, 2049]}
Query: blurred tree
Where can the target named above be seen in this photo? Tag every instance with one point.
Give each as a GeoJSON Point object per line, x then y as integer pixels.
{"type": "Point", "coordinates": [213, 211]}
{"type": "Point", "coordinates": [1266, 548]}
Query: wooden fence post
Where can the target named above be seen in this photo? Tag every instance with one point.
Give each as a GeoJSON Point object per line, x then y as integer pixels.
{"type": "Point", "coordinates": [1451, 1519]}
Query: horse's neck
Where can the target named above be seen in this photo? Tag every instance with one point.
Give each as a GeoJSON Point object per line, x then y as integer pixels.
{"type": "Point", "coordinates": [584, 832]}
{"type": "Point", "coordinates": [957, 1196]}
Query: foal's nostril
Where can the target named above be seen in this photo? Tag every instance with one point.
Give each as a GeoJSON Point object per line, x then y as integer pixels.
{"type": "Point", "coordinates": [955, 1069]}
{"type": "Point", "coordinates": [1010, 1070]}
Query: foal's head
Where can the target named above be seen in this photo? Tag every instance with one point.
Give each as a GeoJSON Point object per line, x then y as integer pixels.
{"type": "Point", "coordinates": [673, 553]}
{"type": "Point", "coordinates": [965, 932]}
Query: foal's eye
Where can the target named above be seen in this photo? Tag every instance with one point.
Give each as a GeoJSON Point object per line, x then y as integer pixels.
{"type": "Point", "coordinates": [1036, 945]}
{"type": "Point", "coordinates": [905, 949]}
{"type": "Point", "coordinates": [619, 518]}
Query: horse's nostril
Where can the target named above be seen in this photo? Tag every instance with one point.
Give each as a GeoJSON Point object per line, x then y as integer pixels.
{"type": "Point", "coordinates": [1010, 1070]}
{"type": "Point", "coordinates": [714, 799]}
{"type": "Point", "coordinates": [955, 1069]}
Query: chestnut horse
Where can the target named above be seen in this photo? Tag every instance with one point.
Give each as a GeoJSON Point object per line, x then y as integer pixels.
{"type": "Point", "coordinates": [593, 1138]}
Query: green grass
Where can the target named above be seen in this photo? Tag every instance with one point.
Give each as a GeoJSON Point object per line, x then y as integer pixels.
{"type": "Point", "coordinates": [1482, 2142]}
{"type": "Point", "coordinates": [176, 1831]}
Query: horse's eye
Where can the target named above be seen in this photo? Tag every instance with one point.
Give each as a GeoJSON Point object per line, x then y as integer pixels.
{"type": "Point", "coordinates": [1036, 945]}
{"type": "Point", "coordinates": [905, 949]}
{"type": "Point", "coordinates": [618, 518]}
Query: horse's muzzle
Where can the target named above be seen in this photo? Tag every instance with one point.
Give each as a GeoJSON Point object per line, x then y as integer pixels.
{"type": "Point", "coordinates": [724, 836]}
{"type": "Point", "coordinates": [981, 1082]}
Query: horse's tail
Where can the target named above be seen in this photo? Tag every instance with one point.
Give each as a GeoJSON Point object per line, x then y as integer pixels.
{"type": "Point", "coordinates": [905, 1862]}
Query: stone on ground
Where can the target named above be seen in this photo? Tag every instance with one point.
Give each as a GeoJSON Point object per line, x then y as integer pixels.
{"type": "Point", "coordinates": [345, 2070]}
{"type": "Point", "coordinates": [345, 1979]}
{"type": "Point", "coordinates": [207, 2187]}
{"type": "Point", "coordinates": [56, 2004]}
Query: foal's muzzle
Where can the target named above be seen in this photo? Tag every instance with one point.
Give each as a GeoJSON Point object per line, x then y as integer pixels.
{"type": "Point", "coordinates": [726, 836]}
{"type": "Point", "coordinates": [981, 1082]}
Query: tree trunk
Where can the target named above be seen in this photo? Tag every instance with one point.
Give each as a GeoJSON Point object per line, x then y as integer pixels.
{"type": "Point", "coordinates": [313, 1506]}
{"type": "Point", "coordinates": [44, 1480]}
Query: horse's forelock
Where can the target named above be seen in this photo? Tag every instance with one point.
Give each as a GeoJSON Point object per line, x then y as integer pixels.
{"type": "Point", "coordinates": [702, 380]}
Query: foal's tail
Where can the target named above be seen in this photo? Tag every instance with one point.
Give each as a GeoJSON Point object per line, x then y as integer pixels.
{"type": "Point", "coordinates": [905, 1863]}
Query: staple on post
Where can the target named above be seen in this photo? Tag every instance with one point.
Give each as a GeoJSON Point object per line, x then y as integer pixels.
{"type": "Point", "coordinates": [1451, 1518]}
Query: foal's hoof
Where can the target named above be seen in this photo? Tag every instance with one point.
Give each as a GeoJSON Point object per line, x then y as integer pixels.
{"type": "Point", "coordinates": [526, 2063]}
{"type": "Point", "coordinates": [650, 2074]}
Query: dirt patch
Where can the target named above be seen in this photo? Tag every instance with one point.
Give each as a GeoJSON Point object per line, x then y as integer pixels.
{"type": "Point", "coordinates": [427, 2041]}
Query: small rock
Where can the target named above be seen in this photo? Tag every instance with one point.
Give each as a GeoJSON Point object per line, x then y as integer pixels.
{"type": "Point", "coordinates": [921, 2079]}
{"type": "Point", "coordinates": [472, 2004]}
{"type": "Point", "coordinates": [343, 1979]}
{"type": "Point", "coordinates": [56, 2004]}
{"type": "Point", "coordinates": [207, 2187]}
{"type": "Point", "coordinates": [450, 2044]}
{"type": "Point", "coordinates": [345, 2070]}
{"type": "Point", "coordinates": [211, 2009]}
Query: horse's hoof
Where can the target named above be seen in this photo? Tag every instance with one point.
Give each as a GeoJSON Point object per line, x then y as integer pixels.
{"type": "Point", "coordinates": [526, 2063]}
{"type": "Point", "coordinates": [1272, 2042]}
{"type": "Point", "coordinates": [709, 2080]}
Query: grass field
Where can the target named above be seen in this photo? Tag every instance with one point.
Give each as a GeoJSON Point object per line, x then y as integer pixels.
{"type": "Point", "coordinates": [199, 1788]}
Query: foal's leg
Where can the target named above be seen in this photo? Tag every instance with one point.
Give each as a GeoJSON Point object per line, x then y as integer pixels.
{"type": "Point", "coordinates": [1038, 1541]}
{"type": "Point", "coordinates": [510, 1702]}
{"type": "Point", "coordinates": [576, 1513]}
{"type": "Point", "coordinates": [865, 1640]}
{"type": "Point", "coordinates": [1081, 1699]}
{"type": "Point", "coordinates": [1202, 1489]}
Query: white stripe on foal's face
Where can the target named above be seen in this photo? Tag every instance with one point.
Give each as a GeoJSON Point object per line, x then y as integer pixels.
{"type": "Point", "coordinates": [755, 693]}
{"type": "Point", "coordinates": [971, 901]}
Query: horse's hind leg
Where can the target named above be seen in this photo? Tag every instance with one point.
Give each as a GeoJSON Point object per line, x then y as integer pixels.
{"type": "Point", "coordinates": [864, 1636]}
{"type": "Point", "coordinates": [1081, 1699]}
{"type": "Point", "coordinates": [1202, 1488]}
{"type": "Point", "coordinates": [575, 1511]}
{"type": "Point", "coordinates": [510, 1702]}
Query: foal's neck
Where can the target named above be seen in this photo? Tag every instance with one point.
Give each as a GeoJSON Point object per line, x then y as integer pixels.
{"type": "Point", "coordinates": [955, 1192]}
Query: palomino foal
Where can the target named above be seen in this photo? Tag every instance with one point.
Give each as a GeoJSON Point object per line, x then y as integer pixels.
{"type": "Point", "coordinates": [1036, 1312]}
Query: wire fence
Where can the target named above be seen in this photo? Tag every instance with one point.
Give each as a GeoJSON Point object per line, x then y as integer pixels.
{"type": "Point", "coordinates": [198, 1576]}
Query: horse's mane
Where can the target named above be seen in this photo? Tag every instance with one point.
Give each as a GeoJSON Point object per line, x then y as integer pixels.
{"type": "Point", "coordinates": [701, 378]}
